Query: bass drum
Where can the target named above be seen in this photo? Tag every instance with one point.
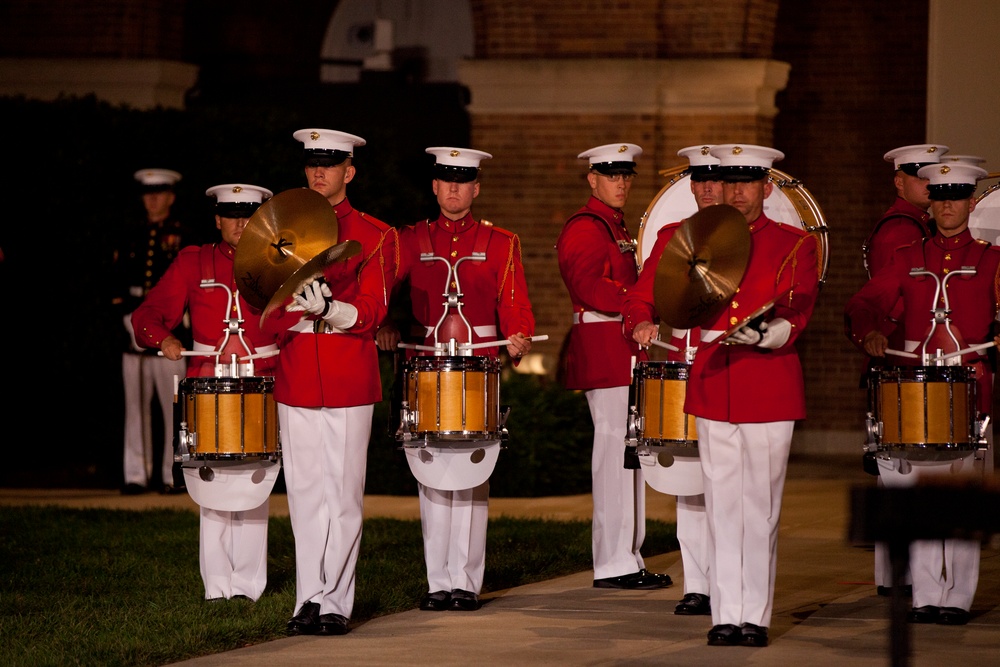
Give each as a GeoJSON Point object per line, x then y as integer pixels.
{"type": "Point", "coordinates": [984, 222]}
{"type": "Point", "coordinates": [790, 202]}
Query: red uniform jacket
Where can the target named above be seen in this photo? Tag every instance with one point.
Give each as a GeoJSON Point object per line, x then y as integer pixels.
{"type": "Point", "coordinates": [180, 289]}
{"type": "Point", "coordinates": [331, 369]}
{"type": "Point", "coordinates": [974, 300]}
{"type": "Point", "coordinates": [598, 265]}
{"type": "Point", "coordinates": [746, 383]}
{"type": "Point", "coordinates": [495, 290]}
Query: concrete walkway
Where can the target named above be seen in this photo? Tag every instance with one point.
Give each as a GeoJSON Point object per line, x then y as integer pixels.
{"type": "Point", "coordinates": [826, 611]}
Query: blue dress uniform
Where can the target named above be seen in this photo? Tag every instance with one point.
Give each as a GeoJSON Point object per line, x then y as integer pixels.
{"type": "Point", "coordinates": [148, 251]}
{"type": "Point", "coordinates": [598, 264]}
{"type": "Point", "coordinates": [945, 573]}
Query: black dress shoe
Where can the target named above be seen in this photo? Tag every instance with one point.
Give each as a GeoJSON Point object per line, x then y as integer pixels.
{"type": "Point", "coordinates": [437, 601]}
{"type": "Point", "coordinates": [724, 635]}
{"type": "Point", "coordinates": [171, 490]}
{"type": "Point", "coordinates": [753, 635]}
{"type": "Point", "coordinates": [463, 600]}
{"type": "Point", "coordinates": [952, 616]}
{"type": "Point", "coordinates": [886, 591]}
{"type": "Point", "coordinates": [925, 614]}
{"type": "Point", "coordinates": [693, 604]}
{"type": "Point", "coordinates": [306, 622]}
{"type": "Point", "coordinates": [641, 580]}
{"type": "Point", "coordinates": [133, 489]}
{"type": "Point", "coordinates": [332, 624]}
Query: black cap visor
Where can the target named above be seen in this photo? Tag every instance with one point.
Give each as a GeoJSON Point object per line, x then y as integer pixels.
{"type": "Point", "coordinates": [702, 173]}
{"type": "Point", "coordinates": [951, 191]}
{"type": "Point", "coordinates": [236, 209]}
{"type": "Point", "coordinates": [613, 168]}
{"type": "Point", "coordinates": [324, 158]}
{"type": "Point", "coordinates": [742, 174]}
{"type": "Point", "coordinates": [911, 168]}
{"type": "Point", "coordinates": [452, 174]}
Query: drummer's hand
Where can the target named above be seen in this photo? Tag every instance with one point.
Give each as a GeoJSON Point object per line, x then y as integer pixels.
{"type": "Point", "coordinates": [171, 348]}
{"type": "Point", "coordinates": [875, 343]}
{"type": "Point", "coordinates": [645, 332]}
{"type": "Point", "coordinates": [518, 346]}
{"type": "Point", "coordinates": [746, 335]}
{"type": "Point", "coordinates": [314, 299]}
{"type": "Point", "coordinates": [387, 338]}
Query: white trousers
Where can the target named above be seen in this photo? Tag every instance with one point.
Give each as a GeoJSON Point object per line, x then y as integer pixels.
{"type": "Point", "coordinates": [692, 534]}
{"type": "Point", "coordinates": [454, 529]}
{"type": "Point", "coordinates": [945, 573]}
{"type": "Point", "coordinates": [142, 375]}
{"type": "Point", "coordinates": [324, 452]}
{"type": "Point", "coordinates": [233, 552]}
{"type": "Point", "coordinates": [744, 467]}
{"type": "Point", "coordinates": [619, 524]}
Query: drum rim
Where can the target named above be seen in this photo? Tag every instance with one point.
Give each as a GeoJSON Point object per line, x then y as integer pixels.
{"type": "Point", "coordinates": [779, 178]}
{"type": "Point", "coordinates": [481, 362]}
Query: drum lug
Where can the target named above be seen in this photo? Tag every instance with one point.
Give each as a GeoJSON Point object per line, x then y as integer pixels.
{"type": "Point", "coordinates": [632, 427]}
{"type": "Point", "coordinates": [982, 424]}
{"type": "Point", "coordinates": [185, 443]}
{"type": "Point", "coordinates": [504, 414]}
{"type": "Point", "coordinates": [873, 433]}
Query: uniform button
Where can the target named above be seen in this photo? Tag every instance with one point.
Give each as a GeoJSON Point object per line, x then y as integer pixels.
{"type": "Point", "coordinates": [454, 253]}
{"type": "Point", "coordinates": [734, 304]}
{"type": "Point", "coordinates": [733, 321]}
{"type": "Point", "coordinates": [454, 238]}
{"type": "Point", "coordinates": [947, 270]}
{"type": "Point", "coordinates": [453, 285]}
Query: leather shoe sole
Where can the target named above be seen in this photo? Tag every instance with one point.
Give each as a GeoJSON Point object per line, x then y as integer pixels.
{"type": "Point", "coordinates": [463, 600]}
{"type": "Point", "coordinates": [641, 580]}
{"type": "Point", "coordinates": [724, 635]}
{"type": "Point", "coordinates": [332, 624]}
{"type": "Point", "coordinates": [753, 635]}
{"type": "Point", "coordinates": [925, 614]}
{"type": "Point", "coordinates": [886, 591]}
{"type": "Point", "coordinates": [952, 616]}
{"type": "Point", "coordinates": [694, 604]}
{"type": "Point", "coordinates": [306, 622]}
{"type": "Point", "coordinates": [437, 601]}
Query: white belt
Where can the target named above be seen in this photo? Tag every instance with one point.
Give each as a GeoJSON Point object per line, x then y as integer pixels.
{"type": "Point", "coordinates": [591, 316]}
{"type": "Point", "coordinates": [489, 331]}
{"type": "Point", "coordinates": [202, 347]}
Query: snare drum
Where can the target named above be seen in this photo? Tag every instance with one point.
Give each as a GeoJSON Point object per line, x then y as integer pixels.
{"type": "Point", "coordinates": [659, 388]}
{"type": "Point", "coordinates": [451, 398]}
{"type": "Point", "coordinates": [229, 418]}
{"type": "Point", "coordinates": [924, 413]}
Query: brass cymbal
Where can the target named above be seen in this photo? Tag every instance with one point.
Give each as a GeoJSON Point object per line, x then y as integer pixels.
{"type": "Point", "coordinates": [701, 267]}
{"type": "Point", "coordinates": [290, 230]}
{"type": "Point", "coordinates": [310, 271]}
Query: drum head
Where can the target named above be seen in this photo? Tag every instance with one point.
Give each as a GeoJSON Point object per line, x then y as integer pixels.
{"type": "Point", "coordinates": [453, 467]}
{"type": "Point", "coordinates": [230, 487]}
{"type": "Point", "coordinates": [790, 202]}
{"type": "Point", "coordinates": [984, 222]}
{"type": "Point", "coordinates": [673, 475]}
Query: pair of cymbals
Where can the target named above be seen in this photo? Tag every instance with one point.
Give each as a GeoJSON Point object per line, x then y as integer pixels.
{"type": "Point", "coordinates": [287, 242]}
{"type": "Point", "coordinates": [701, 267]}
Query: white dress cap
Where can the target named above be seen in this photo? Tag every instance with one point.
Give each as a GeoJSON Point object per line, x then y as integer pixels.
{"type": "Point", "coordinates": [328, 140]}
{"type": "Point", "coordinates": [746, 155]}
{"type": "Point", "coordinates": [238, 193]}
{"type": "Point", "coordinates": [610, 153]}
{"type": "Point", "coordinates": [952, 173]}
{"type": "Point", "coordinates": [164, 177]}
{"type": "Point", "coordinates": [918, 154]}
{"type": "Point", "coordinates": [967, 159]}
{"type": "Point", "coordinates": [699, 156]}
{"type": "Point", "coordinates": [457, 157]}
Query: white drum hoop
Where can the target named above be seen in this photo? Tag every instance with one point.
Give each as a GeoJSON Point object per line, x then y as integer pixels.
{"type": "Point", "coordinates": [790, 203]}
{"type": "Point", "coordinates": [984, 221]}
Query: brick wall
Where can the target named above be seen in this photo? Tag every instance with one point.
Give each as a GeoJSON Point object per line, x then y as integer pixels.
{"type": "Point", "coordinates": [111, 29]}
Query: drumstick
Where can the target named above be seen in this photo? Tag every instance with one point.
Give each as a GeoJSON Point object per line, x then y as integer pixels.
{"type": "Point", "coordinates": [496, 343]}
{"type": "Point", "coordinates": [194, 353]}
{"type": "Point", "coordinates": [900, 353]}
{"type": "Point", "coordinates": [974, 348]}
{"type": "Point", "coordinates": [261, 355]}
{"type": "Point", "coordinates": [660, 343]}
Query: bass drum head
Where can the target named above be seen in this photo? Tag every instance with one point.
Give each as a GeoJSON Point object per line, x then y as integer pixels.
{"type": "Point", "coordinates": [790, 202]}
{"type": "Point", "coordinates": [984, 222]}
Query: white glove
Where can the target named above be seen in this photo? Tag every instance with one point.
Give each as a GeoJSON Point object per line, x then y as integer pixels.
{"type": "Point", "coordinates": [777, 333]}
{"type": "Point", "coordinates": [747, 335]}
{"type": "Point", "coordinates": [314, 298]}
{"type": "Point", "coordinates": [341, 315]}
